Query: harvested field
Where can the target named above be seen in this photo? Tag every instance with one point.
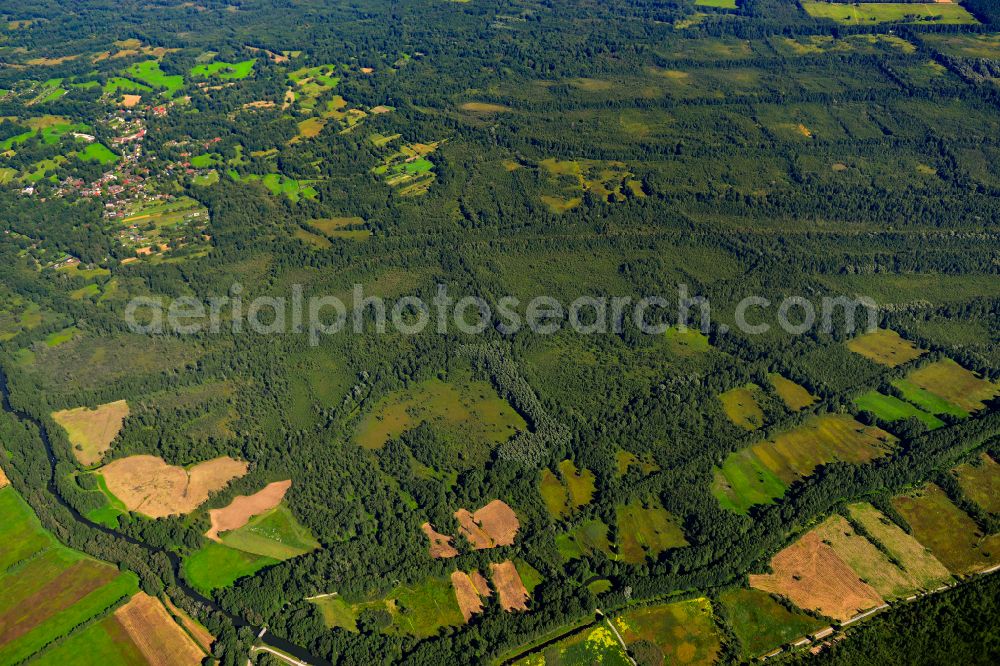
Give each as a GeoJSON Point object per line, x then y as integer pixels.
{"type": "Point", "coordinates": [91, 431]}
{"type": "Point", "coordinates": [953, 383]}
{"type": "Point", "coordinates": [469, 601]}
{"type": "Point", "coordinates": [4, 482]}
{"type": "Point", "coordinates": [510, 588]}
{"type": "Point", "coordinates": [472, 532]}
{"type": "Point", "coordinates": [918, 562]}
{"type": "Point", "coordinates": [160, 640]}
{"type": "Point", "coordinates": [148, 485]}
{"type": "Point", "coordinates": [128, 101]}
{"type": "Point", "coordinates": [484, 107]}
{"type": "Point", "coordinates": [885, 347]}
{"type": "Point", "coordinates": [947, 531]}
{"type": "Point", "coordinates": [481, 584]}
{"type": "Point", "coordinates": [871, 565]}
{"type": "Point", "coordinates": [441, 547]}
{"type": "Point", "coordinates": [980, 482]}
{"type": "Point", "coordinates": [741, 407]}
{"type": "Point", "coordinates": [794, 396]}
{"type": "Point", "coordinates": [813, 577]}
{"type": "Point", "coordinates": [201, 635]}
{"type": "Point", "coordinates": [493, 525]}
{"type": "Point", "coordinates": [243, 508]}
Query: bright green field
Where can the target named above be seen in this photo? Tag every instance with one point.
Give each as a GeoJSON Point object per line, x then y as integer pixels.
{"type": "Point", "coordinates": [926, 400]}
{"type": "Point", "coordinates": [225, 70]}
{"type": "Point", "coordinates": [97, 152]}
{"type": "Point", "coordinates": [204, 161]}
{"type": "Point", "coordinates": [721, 4]}
{"type": "Point", "coordinates": [886, 12]}
{"type": "Point", "coordinates": [418, 610]}
{"type": "Point", "coordinates": [216, 566]}
{"type": "Point", "coordinates": [744, 481]}
{"type": "Point", "coordinates": [104, 642]}
{"type": "Point", "coordinates": [275, 534]}
{"type": "Point", "coordinates": [116, 83]}
{"type": "Point", "coordinates": [20, 532]}
{"type": "Point", "coordinates": [279, 184]}
{"type": "Point", "coordinates": [149, 72]}
{"type": "Point", "coordinates": [891, 408]}
{"type": "Point", "coordinates": [761, 623]}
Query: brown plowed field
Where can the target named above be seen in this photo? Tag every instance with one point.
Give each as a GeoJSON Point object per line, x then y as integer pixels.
{"type": "Point", "coordinates": [160, 640]}
{"type": "Point", "coordinates": [466, 594]}
{"type": "Point", "coordinates": [441, 547]}
{"type": "Point", "coordinates": [506, 580]}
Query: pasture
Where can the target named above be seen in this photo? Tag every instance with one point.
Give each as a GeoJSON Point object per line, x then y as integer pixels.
{"type": "Point", "coordinates": [418, 610]}
{"type": "Point", "coordinates": [278, 184]}
{"type": "Point", "coordinates": [150, 486]}
{"type": "Point", "coordinates": [795, 397]}
{"type": "Point", "coordinates": [925, 569]}
{"type": "Point", "coordinates": [244, 507]}
{"type": "Point", "coordinates": [872, 13]}
{"type": "Point", "coordinates": [949, 382]}
{"type": "Point", "coordinates": [683, 632]}
{"type": "Point", "coordinates": [980, 482]}
{"type": "Point", "coordinates": [761, 623]}
{"type": "Point", "coordinates": [275, 534]}
{"type": "Point", "coordinates": [965, 46]}
{"type": "Point", "coordinates": [215, 566]}
{"type": "Point", "coordinates": [567, 491]}
{"type": "Point", "coordinates": [585, 540]}
{"type": "Point", "coordinates": [951, 535]}
{"type": "Point", "coordinates": [744, 481]}
{"type": "Point", "coordinates": [91, 431]}
{"type": "Point", "coordinates": [149, 72]}
{"type": "Point", "coordinates": [97, 152]}
{"type": "Point", "coordinates": [224, 70]}
{"type": "Point", "coordinates": [885, 347]}
{"type": "Point", "coordinates": [890, 408]}
{"type": "Point", "coordinates": [467, 414]}
{"type": "Point", "coordinates": [741, 408]}
{"type": "Point", "coordinates": [811, 574]}
{"type": "Point", "coordinates": [593, 645]}
{"type": "Point", "coordinates": [646, 529]}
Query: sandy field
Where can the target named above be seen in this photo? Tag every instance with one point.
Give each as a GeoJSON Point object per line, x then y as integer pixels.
{"type": "Point", "coordinates": [92, 430]}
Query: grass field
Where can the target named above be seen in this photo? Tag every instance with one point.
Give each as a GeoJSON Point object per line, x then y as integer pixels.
{"type": "Point", "coordinates": [569, 490]}
{"type": "Point", "coordinates": [593, 645]}
{"type": "Point", "coordinates": [97, 152]}
{"type": "Point", "coordinates": [890, 12]}
{"type": "Point", "coordinates": [275, 534]}
{"type": "Point", "coordinates": [951, 535]}
{"type": "Point", "coordinates": [761, 623]}
{"type": "Point", "coordinates": [105, 642]}
{"type": "Point", "coordinates": [891, 408]}
{"type": "Point", "coordinates": [885, 347]}
{"type": "Point", "coordinates": [795, 397]}
{"type": "Point", "coordinates": [467, 414]}
{"type": "Point", "coordinates": [590, 537]}
{"type": "Point", "coordinates": [949, 382]}
{"type": "Point", "coordinates": [683, 632]}
{"type": "Point", "coordinates": [981, 482]}
{"type": "Point", "coordinates": [646, 531]}
{"type": "Point", "coordinates": [925, 569]}
{"type": "Point", "coordinates": [119, 83]}
{"type": "Point", "coordinates": [720, 4]}
{"type": "Point", "coordinates": [224, 70]}
{"type": "Point", "coordinates": [91, 431]}
{"type": "Point", "coordinates": [761, 473]}
{"type": "Point", "coordinates": [215, 566]}
{"type": "Point", "coordinates": [740, 406]}
{"type": "Point", "coordinates": [278, 184]}
{"type": "Point", "coordinates": [149, 72]}
{"type": "Point", "coordinates": [418, 610]}
{"type": "Point", "coordinates": [965, 46]}
{"type": "Point", "coordinates": [46, 589]}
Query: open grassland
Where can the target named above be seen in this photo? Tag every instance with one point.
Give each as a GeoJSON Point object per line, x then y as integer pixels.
{"type": "Point", "coordinates": [745, 481]}
{"type": "Point", "coordinates": [761, 623]}
{"type": "Point", "coordinates": [885, 347]}
{"type": "Point", "coordinates": [925, 569]}
{"type": "Point", "coordinates": [91, 431]}
{"type": "Point", "coordinates": [891, 408]}
{"type": "Point", "coordinates": [646, 529]}
{"type": "Point", "coordinates": [761, 473]}
{"type": "Point", "coordinates": [965, 46]}
{"type": "Point", "coordinates": [980, 481]}
{"type": "Point", "coordinates": [105, 642]}
{"type": "Point", "coordinates": [812, 575]}
{"type": "Point", "coordinates": [740, 406]}
{"type": "Point", "coordinates": [951, 383]}
{"type": "Point", "coordinates": [593, 645]}
{"type": "Point", "coordinates": [244, 507]}
{"type": "Point", "coordinates": [871, 13]}
{"type": "Point", "coordinates": [148, 485]}
{"type": "Point", "coordinates": [568, 180]}
{"type": "Point", "coordinates": [467, 413]}
{"type": "Point", "coordinates": [871, 564]}
{"type": "Point", "coordinates": [795, 397]}
{"type": "Point", "coordinates": [683, 632]}
{"type": "Point", "coordinates": [333, 225]}
{"type": "Point", "coordinates": [216, 566]}
{"type": "Point", "coordinates": [567, 491]}
{"type": "Point", "coordinates": [275, 534]}
{"type": "Point", "coordinates": [149, 72]}
{"type": "Point", "coordinates": [46, 590]}
{"type": "Point", "coordinates": [589, 538]}
{"type": "Point", "coordinates": [553, 493]}
{"type": "Point", "coordinates": [278, 184]}
{"type": "Point", "coordinates": [951, 535]}
{"type": "Point", "coordinates": [224, 70]}
{"type": "Point", "coordinates": [97, 152]}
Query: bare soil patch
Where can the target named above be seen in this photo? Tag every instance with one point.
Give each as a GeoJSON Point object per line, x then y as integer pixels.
{"type": "Point", "coordinates": [493, 525]}
{"type": "Point", "coordinates": [4, 481]}
{"type": "Point", "coordinates": [148, 485]}
{"type": "Point", "coordinates": [441, 547]}
{"type": "Point", "coordinates": [467, 595]}
{"type": "Point", "coordinates": [482, 586]}
{"type": "Point", "coordinates": [473, 533]}
{"type": "Point", "coordinates": [91, 431]}
{"type": "Point", "coordinates": [813, 577]}
{"type": "Point", "coordinates": [510, 587]}
{"type": "Point", "coordinates": [244, 507]}
{"type": "Point", "coordinates": [128, 101]}
{"type": "Point", "coordinates": [160, 640]}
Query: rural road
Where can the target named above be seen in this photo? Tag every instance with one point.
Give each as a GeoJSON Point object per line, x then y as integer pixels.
{"type": "Point", "coordinates": [280, 655]}
{"type": "Point", "coordinates": [617, 635]}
